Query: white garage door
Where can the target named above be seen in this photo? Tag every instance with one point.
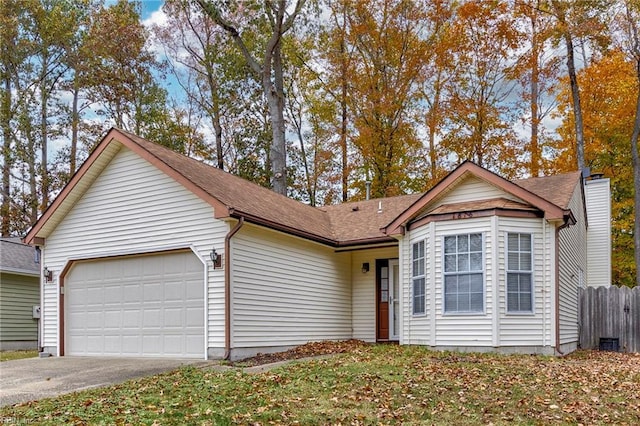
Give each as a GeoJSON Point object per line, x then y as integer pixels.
{"type": "Point", "coordinates": [146, 306]}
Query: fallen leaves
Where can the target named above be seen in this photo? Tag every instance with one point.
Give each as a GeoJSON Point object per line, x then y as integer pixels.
{"type": "Point", "coordinates": [369, 384]}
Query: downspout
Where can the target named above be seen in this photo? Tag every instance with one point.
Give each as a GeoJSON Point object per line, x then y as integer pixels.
{"type": "Point", "coordinates": [558, 229]}
{"type": "Point", "coordinates": [227, 287]}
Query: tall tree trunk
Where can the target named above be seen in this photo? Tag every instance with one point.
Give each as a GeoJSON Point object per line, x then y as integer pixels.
{"type": "Point", "coordinates": [5, 113]}
{"type": "Point", "coordinates": [75, 122]}
{"type": "Point", "coordinates": [44, 173]}
{"type": "Point", "coordinates": [534, 148]}
{"type": "Point", "coordinates": [274, 91]}
{"type": "Point", "coordinates": [559, 8]}
{"type": "Point", "coordinates": [343, 107]}
{"type": "Point", "coordinates": [215, 118]}
{"type": "Point", "coordinates": [575, 97]}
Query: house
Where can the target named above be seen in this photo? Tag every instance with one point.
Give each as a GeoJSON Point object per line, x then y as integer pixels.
{"type": "Point", "coordinates": [154, 254]}
{"type": "Point", "coordinates": [19, 295]}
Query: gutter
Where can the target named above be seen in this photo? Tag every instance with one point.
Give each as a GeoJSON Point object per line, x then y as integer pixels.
{"type": "Point", "coordinates": [227, 287]}
{"type": "Point", "coordinates": [566, 224]}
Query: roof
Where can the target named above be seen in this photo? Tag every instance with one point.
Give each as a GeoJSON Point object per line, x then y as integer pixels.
{"type": "Point", "coordinates": [361, 221]}
{"type": "Point", "coordinates": [490, 204]}
{"type": "Point", "coordinates": [17, 257]}
{"type": "Point", "coordinates": [348, 224]}
{"type": "Point", "coordinates": [558, 188]}
{"type": "Point", "coordinates": [532, 192]}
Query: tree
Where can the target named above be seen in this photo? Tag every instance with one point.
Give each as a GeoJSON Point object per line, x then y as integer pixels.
{"type": "Point", "coordinates": [388, 60]}
{"type": "Point", "coordinates": [268, 70]}
{"type": "Point", "coordinates": [629, 21]}
{"type": "Point", "coordinates": [578, 20]}
{"type": "Point", "coordinates": [537, 72]}
{"type": "Point", "coordinates": [479, 123]}
{"type": "Point", "coordinates": [609, 110]}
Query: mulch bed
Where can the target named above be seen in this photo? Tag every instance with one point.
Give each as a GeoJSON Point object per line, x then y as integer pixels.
{"type": "Point", "coordinates": [304, 351]}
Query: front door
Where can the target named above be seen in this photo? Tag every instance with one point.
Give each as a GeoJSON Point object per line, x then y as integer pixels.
{"type": "Point", "coordinates": [388, 299]}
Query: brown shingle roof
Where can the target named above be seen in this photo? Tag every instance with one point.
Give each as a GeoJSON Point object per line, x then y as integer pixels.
{"type": "Point", "coordinates": [360, 220]}
{"type": "Point", "coordinates": [557, 189]}
{"type": "Point", "coordinates": [470, 206]}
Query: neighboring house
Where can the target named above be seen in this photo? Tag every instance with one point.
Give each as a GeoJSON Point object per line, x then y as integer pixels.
{"type": "Point", "coordinates": [155, 254]}
{"type": "Point", "coordinates": [19, 294]}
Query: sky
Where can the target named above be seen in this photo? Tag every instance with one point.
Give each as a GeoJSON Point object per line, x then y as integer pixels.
{"type": "Point", "coordinates": [149, 7]}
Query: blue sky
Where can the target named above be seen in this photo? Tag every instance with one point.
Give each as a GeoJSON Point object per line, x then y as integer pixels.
{"type": "Point", "coordinates": [150, 6]}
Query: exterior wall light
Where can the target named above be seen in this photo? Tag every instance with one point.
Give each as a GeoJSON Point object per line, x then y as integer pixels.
{"type": "Point", "coordinates": [365, 267]}
{"type": "Point", "coordinates": [215, 258]}
{"type": "Point", "coordinates": [48, 275]}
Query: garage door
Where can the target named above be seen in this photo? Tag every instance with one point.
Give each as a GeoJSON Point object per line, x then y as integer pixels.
{"type": "Point", "coordinates": [147, 306]}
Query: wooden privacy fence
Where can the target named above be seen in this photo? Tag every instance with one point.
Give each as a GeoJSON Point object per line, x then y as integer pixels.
{"type": "Point", "coordinates": [610, 313]}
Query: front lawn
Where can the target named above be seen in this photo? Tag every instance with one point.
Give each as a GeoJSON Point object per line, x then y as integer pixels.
{"type": "Point", "coordinates": [11, 355]}
{"type": "Point", "coordinates": [369, 385]}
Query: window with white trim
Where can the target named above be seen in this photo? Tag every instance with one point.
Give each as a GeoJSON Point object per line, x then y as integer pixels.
{"type": "Point", "coordinates": [463, 273]}
{"type": "Point", "coordinates": [418, 278]}
{"type": "Point", "coordinates": [519, 273]}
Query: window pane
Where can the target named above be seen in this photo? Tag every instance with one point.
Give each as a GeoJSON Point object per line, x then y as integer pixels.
{"type": "Point", "coordinates": [519, 292]}
{"type": "Point", "coordinates": [463, 243]}
{"type": "Point", "coordinates": [450, 262]}
{"type": "Point", "coordinates": [525, 242]}
{"type": "Point", "coordinates": [463, 262]}
{"type": "Point", "coordinates": [512, 262]}
{"type": "Point", "coordinates": [525, 261]}
{"type": "Point", "coordinates": [512, 244]}
{"type": "Point", "coordinates": [513, 304]}
{"type": "Point", "coordinates": [463, 284]}
{"type": "Point", "coordinates": [418, 296]}
{"type": "Point", "coordinates": [450, 303]}
{"type": "Point", "coordinates": [476, 304]}
{"type": "Point", "coordinates": [476, 242]}
{"type": "Point", "coordinates": [512, 282]}
{"type": "Point", "coordinates": [449, 244]}
{"type": "Point", "coordinates": [475, 283]}
{"type": "Point", "coordinates": [451, 284]}
{"type": "Point", "coordinates": [476, 261]}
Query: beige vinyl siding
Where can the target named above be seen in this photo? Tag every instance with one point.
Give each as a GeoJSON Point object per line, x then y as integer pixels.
{"type": "Point", "coordinates": [437, 328]}
{"type": "Point", "coordinates": [287, 291]}
{"type": "Point", "coordinates": [134, 207]}
{"type": "Point", "coordinates": [417, 328]}
{"type": "Point", "coordinates": [363, 293]}
{"type": "Point", "coordinates": [527, 329]}
{"type": "Point", "coordinates": [473, 189]}
{"type": "Point", "coordinates": [598, 201]}
{"type": "Point", "coordinates": [18, 295]}
{"type": "Point", "coordinates": [572, 266]}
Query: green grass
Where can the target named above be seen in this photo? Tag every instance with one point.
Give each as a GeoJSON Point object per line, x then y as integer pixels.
{"type": "Point", "coordinates": [11, 355]}
{"type": "Point", "coordinates": [381, 384]}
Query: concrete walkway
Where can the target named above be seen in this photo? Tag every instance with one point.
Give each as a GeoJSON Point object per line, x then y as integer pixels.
{"type": "Point", "coordinates": [31, 379]}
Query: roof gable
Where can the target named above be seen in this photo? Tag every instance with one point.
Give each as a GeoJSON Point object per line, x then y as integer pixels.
{"type": "Point", "coordinates": [229, 195]}
{"type": "Point", "coordinates": [443, 193]}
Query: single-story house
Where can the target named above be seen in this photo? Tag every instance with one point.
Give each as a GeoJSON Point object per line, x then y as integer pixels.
{"type": "Point", "coordinates": [155, 254]}
{"type": "Point", "coordinates": [19, 295]}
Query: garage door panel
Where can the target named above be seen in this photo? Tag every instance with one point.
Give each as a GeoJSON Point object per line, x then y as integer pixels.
{"type": "Point", "coordinates": [137, 306]}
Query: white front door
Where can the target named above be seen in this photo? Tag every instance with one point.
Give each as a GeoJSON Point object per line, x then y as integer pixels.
{"type": "Point", "coordinates": [394, 300]}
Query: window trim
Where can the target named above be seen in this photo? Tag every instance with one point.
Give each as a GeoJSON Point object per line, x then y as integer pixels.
{"type": "Point", "coordinates": [423, 276]}
{"type": "Point", "coordinates": [507, 271]}
{"type": "Point", "coordinates": [482, 272]}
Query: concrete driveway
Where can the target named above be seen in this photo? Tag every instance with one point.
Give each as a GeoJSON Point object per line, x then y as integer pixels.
{"type": "Point", "coordinates": [36, 378]}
